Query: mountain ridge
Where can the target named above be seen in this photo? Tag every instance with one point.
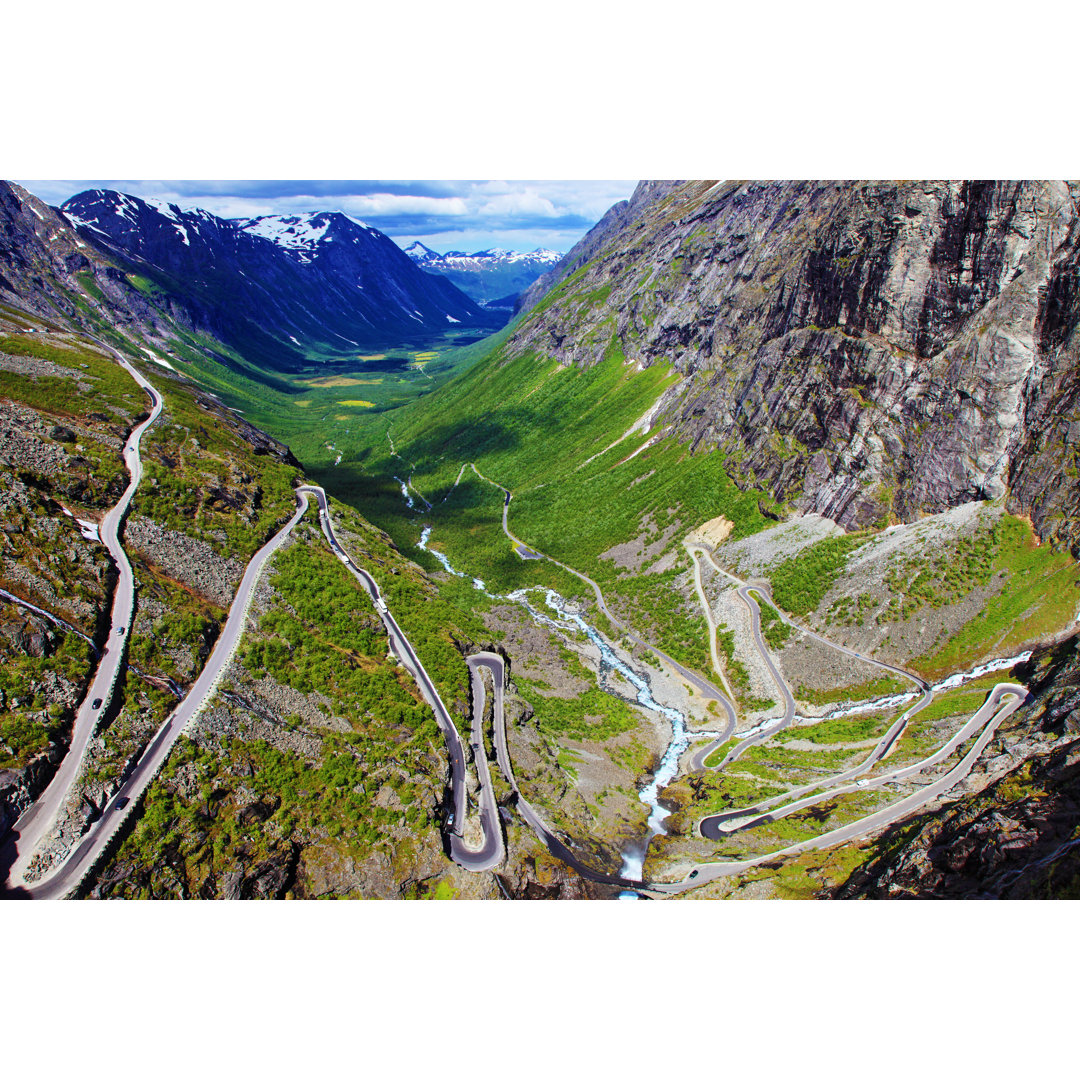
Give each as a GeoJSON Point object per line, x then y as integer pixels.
{"type": "Point", "coordinates": [863, 349]}
{"type": "Point", "coordinates": [333, 285]}
{"type": "Point", "coordinates": [488, 276]}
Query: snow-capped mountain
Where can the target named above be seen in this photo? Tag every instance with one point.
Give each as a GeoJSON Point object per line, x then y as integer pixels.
{"type": "Point", "coordinates": [321, 281]}
{"type": "Point", "coordinates": [302, 235]}
{"type": "Point", "coordinates": [488, 275]}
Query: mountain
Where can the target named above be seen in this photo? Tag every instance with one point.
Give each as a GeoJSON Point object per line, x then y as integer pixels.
{"type": "Point", "coordinates": [490, 276]}
{"type": "Point", "coordinates": [325, 756]}
{"type": "Point", "coordinates": [317, 282]}
{"type": "Point", "coordinates": [867, 351]}
{"type": "Point", "coordinates": [617, 217]}
{"type": "Point", "coordinates": [863, 397]}
{"type": "Point", "coordinates": [860, 399]}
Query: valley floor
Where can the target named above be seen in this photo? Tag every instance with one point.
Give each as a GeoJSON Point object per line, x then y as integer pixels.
{"type": "Point", "coordinates": [666, 692]}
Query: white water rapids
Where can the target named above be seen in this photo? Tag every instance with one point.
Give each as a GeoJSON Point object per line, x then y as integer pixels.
{"type": "Point", "coordinates": [633, 860]}
{"type": "Point", "coordinates": [952, 681]}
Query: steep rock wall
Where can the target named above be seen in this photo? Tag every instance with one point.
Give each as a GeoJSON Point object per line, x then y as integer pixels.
{"type": "Point", "coordinates": [862, 349]}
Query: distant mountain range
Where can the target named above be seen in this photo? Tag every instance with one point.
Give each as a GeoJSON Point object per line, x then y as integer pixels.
{"type": "Point", "coordinates": [494, 277]}
{"type": "Point", "coordinates": [285, 286]}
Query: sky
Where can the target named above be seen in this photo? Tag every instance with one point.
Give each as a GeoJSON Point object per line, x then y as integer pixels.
{"type": "Point", "coordinates": [462, 215]}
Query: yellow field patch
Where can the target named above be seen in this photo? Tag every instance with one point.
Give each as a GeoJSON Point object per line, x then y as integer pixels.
{"type": "Point", "coordinates": [327, 382]}
{"type": "Point", "coordinates": [302, 404]}
{"type": "Point", "coordinates": [373, 356]}
{"type": "Point", "coordinates": [424, 355]}
{"type": "Point", "coordinates": [362, 404]}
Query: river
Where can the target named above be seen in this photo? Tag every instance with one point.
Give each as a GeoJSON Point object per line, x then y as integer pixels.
{"type": "Point", "coordinates": [570, 620]}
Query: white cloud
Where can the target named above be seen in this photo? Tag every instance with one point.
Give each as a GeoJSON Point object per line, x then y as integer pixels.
{"type": "Point", "coordinates": [463, 214]}
{"type": "Point", "coordinates": [382, 204]}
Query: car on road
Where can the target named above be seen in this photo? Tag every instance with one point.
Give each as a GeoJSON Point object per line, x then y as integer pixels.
{"type": "Point", "coordinates": [96, 704]}
{"type": "Point", "coordinates": [121, 803]}
{"type": "Point", "coordinates": [120, 630]}
{"type": "Point", "coordinates": [861, 783]}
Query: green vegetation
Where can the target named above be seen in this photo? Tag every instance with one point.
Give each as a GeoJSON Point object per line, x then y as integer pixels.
{"type": "Point", "coordinates": [304, 408]}
{"type": "Point", "coordinates": [652, 605]}
{"type": "Point", "coordinates": [32, 721]}
{"type": "Point", "coordinates": [1040, 594]}
{"type": "Point", "coordinates": [809, 874]}
{"type": "Point", "coordinates": [202, 478]}
{"type": "Point", "coordinates": [731, 789]}
{"type": "Point", "coordinates": [532, 426]}
{"type": "Point", "coordinates": [773, 628]}
{"type": "Point", "coordinates": [843, 729]}
{"type": "Point", "coordinates": [799, 583]}
{"type": "Point", "coordinates": [326, 638]}
{"type": "Point", "coordinates": [874, 688]}
{"type": "Point", "coordinates": [594, 716]}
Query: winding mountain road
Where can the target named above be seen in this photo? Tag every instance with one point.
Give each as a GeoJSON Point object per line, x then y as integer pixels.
{"type": "Point", "coordinates": [18, 847]}
{"type": "Point", "coordinates": [703, 686]}
{"type": "Point", "coordinates": [66, 876]}
{"type": "Point", "coordinates": [492, 851]}
{"type": "Point", "coordinates": [496, 667]}
{"type": "Point", "coordinates": [1003, 700]}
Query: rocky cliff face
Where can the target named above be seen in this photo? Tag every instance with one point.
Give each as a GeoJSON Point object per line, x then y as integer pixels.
{"type": "Point", "coordinates": [617, 218]}
{"type": "Point", "coordinates": [862, 349]}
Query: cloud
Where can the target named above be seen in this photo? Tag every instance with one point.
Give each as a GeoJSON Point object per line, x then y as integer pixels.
{"type": "Point", "coordinates": [474, 213]}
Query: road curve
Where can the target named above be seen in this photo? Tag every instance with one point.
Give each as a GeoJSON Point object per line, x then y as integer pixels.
{"type": "Point", "coordinates": [840, 783]}
{"type": "Point", "coordinates": [67, 875]}
{"type": "Point", "coordinates": [26, 834]}
{"type": "Point", "coordinates": [492, 851]}
{"type": "Point", "coordinates": [495, 664]}
{"type": "Point", "coordinates": [1001, 703]}
{"type": "Point", "coordinates": [703, 686]}
{"type": "Point", "coordinates": [712, 827]}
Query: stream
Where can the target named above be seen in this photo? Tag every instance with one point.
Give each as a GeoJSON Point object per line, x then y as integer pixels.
{"type": "Point", "coordinates": [569, 620]}
{"type": "Point", "coordinates": [952, 681]}
{"type": "Point", "coordinates": [634, 858]}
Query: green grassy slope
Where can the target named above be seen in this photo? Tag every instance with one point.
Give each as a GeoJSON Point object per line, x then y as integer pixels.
{"type": "Point", "coordinates": [556, 437]}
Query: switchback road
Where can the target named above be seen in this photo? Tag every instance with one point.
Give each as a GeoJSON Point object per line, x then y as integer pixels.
{"type": "Point", "coordinates": [1003, 700]}
{"type": "Point", "coordinates": [713, 826]}
{"type": "Point", "coordinates": [26, 834]}
{"type": "Point", "coordinates": [703, 686]}
{"type": "Point", "coordinates": [495, 665]}
{"type": "Point", "coordinates": [492, 851]}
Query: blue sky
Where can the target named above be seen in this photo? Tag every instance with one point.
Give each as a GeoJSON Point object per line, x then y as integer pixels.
{"type": "Point", "coordinates": [445, 214]}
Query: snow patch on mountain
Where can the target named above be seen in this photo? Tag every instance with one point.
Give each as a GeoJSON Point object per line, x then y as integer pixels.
{"type": "Point", "coordinates": [298, 234]}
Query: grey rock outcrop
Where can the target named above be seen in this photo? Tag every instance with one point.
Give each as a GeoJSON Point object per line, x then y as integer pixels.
{"type": "Point", "coordinates": [861, 349]}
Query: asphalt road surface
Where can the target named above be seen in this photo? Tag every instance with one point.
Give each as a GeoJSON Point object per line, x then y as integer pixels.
{"type": "Point", "coordinates": [1003, 700]}
{"type": "Point", "coordinates": [66, 876]}
{"type": "Point", "coordinates": [495, 665]}
{"type": "Point", "coordinates": [703, 686]}
{"type": "Point", "coordinates": [27, 833]}
{"type": "Point", "coordinates": [492, 851]}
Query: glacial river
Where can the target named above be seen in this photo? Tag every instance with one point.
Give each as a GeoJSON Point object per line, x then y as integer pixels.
{"type": "Point", "coordinates": [570, 620]}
